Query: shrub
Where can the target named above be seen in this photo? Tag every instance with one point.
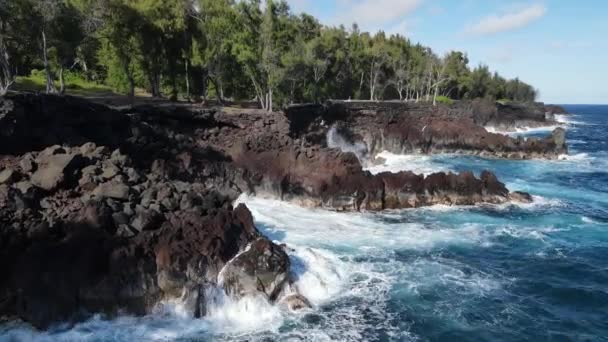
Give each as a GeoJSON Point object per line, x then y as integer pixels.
{"type": "Point", "coordinates": [444, 99]}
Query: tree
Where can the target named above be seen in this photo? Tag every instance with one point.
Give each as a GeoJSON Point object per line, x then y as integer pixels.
{"type": "Point", "coordinates": [440, 76]}
{"type": "Point", "coordinates": [458, 75]}
{"type": "Point", "coordinates": [230, 49]}
{"type": "Point", "coordinates": [481, 82]}
{"type": "Point", "coordinates": [119, 36]}
{"type": "Point", "coordinates": [15, 38]}
{"type": "Point", "coordinates": [67, 35]}
{"type": "Point", "coordinates": [377, 57]}
{"type": "Point", "coordinates": [318, 61]}
{"type": "Point", "coordinates": [399, 56]}
{"type": "Point", "coordinates": [217, 21]}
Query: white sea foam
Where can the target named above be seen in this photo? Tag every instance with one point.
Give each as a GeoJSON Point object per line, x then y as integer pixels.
{"type": "Point", "coordinates": [529, 233]}
{"type": "Point", "coordinates": [588, 220]}
{"type": "Point", "coordinates": [575, 157]}
{"type": "Point", "coordinates": [537, 202]}
{"type": "Point", "coordinates": [250, 313]}
{"type": "Point", "coordinates": [419, 164]}
{"type": "Point", "coordinates": [344, 261]}
{"type": "Point", "coordinates": [335, 140]}
{"type": "Point", "coordinates": [523, 130]}
{"type": "Point", "coordinates": [568, 119]}
{"type": "Point", "coordinates": [317, 227]}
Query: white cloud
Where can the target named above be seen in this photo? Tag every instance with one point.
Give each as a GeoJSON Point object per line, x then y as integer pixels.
{"type": "Point", "coordinates": [374, 13]}
{"type": "Point", "coordinates": [508, 21]}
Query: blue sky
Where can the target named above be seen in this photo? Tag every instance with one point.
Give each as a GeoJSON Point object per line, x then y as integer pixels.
{"type": "Point", "coordinates": [558, 46]}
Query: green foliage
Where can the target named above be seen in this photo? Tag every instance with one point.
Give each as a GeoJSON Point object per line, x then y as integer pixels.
{"type": "Point", "coordinates": [444, 99]}
{"type": "Point", "coordinates": [76, 83]}
{"type": "Point", "coordinates": [245, 49]}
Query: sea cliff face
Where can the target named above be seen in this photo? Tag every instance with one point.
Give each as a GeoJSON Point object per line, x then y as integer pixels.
{"type": "Point", "coordinates": [103, 210]}
{"type": "Point", "coordinates": [421, 128]}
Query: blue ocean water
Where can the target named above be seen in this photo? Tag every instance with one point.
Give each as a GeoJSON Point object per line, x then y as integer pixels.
{"type": "Point", "coordinates": [532, 272]}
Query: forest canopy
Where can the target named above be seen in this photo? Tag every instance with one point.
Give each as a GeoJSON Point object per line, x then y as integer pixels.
{"type": "Point", "coordinates": [227, 49]}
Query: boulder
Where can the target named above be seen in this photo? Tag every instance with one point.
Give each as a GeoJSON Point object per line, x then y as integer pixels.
{"type": "Point", "coordinates": [119, 159]}
{"type": "Point", "coordinates": [559, 137]}
{"type": "Point", "coordinates": [97, 214]}
{"type": "Point", "coordinates": [296, 302]}
{"type": "Point", "coordinates": [113, 190]}
{"type": "Point", "coordinates": [261, 267]}
{"type": "Point", "coordinates": [7, 176]}
{"type": "Point", "coordinates": [27, 163]}
{"type": "Point", "coordinates": [147, 219]}
{"type": "Point", "coordinates": [57, 170]}
{"type": "Point", "coordinates": [521, 197]}
{"type": "Point", "coordinates": [109, 171]}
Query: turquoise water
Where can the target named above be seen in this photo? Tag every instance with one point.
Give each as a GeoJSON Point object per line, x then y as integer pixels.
{"type": "Point", "coordinates": [496, 273]}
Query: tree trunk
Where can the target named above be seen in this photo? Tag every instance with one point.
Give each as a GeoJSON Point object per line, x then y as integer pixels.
{"type": "Point", "coordinates": [61, 81]}
{"type": "Point", "coordinates": [361, 84]}
{"type": "Point", "coordinates": [49, 79]}
{"type": "Point", "coordinates": [371, 82]}
{"type": "Point", "coordinates": [6, 77]}
{"type": "Point", "coordinates": [187, 78]}
{"type": "Point", "coordinates": [220, 89]}
{"type": "Point", "coordinates": [435, 95]}
{"type": "Point", "coordinates": [270, 103]}
{"type": "Point", "coordinates": [204, 86]}
{"type": "Point", "coordinates": [131, 89]}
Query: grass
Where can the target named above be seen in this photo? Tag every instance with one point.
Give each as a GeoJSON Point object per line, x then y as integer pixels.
{"type": "Point", "coordinates": [74, 84]}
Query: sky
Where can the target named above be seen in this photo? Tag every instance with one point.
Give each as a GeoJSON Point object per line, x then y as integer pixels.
{"type": "Point", "coordinates": [558, 46]}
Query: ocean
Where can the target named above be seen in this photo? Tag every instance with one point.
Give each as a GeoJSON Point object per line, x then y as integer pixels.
{"type": "Point", "coordinates": [533, 272]}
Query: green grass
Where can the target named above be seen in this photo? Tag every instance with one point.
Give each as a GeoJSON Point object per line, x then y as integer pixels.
{"type": "Point", "coordinates": [74, 84]}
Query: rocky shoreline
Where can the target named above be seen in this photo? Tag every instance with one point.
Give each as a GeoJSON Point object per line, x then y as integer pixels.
{"type": "Point", "coordinates": [105, 211]}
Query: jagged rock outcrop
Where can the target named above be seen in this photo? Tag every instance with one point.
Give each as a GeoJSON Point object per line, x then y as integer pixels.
{"type": "Point", "coordinates": [555, 109]}
{"type": "Point", "coordinates": [108, 242]}
{"type": "Point", "coordinates": [421, 128]}
{"type": "Point", "coordinates": [104, 211]}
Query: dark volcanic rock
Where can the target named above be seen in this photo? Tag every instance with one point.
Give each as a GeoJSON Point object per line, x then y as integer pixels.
{"type": "Point", "coordinates": [33, 122]}
{"type": "Point", "coordinates": [262, 267]}
{"type": "Point", "coordinates": [418, 127]}
{"type": "Point", "coordinates": [105, 211]}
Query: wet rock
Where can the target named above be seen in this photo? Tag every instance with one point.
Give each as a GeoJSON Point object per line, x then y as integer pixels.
{"type": "Point", "coordinates": [559, 137]}
{"type": "Point", "coordinates": [296, 302]}
{"type": "Point", "coordinates": [262, 267]}
{"type": "Point", "coordinates": [521, 197]}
